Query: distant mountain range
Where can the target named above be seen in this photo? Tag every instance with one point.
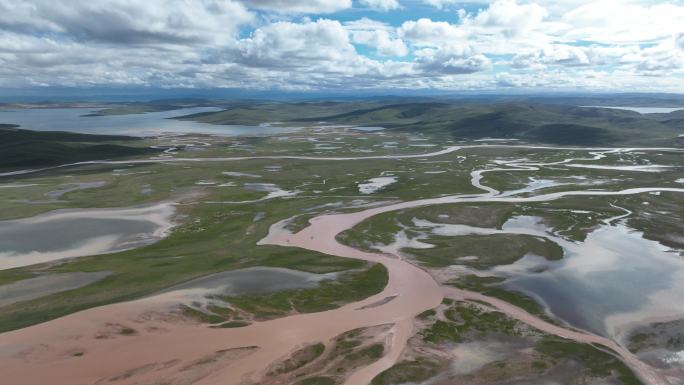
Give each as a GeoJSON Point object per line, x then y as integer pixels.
{"type": "Point", "coordinates": [555, 121]}
{"type": "Point", "coordinates": [534, 122]}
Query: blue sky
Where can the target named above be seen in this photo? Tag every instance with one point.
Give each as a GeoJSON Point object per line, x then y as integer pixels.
{"type": "Point", "coordinates": [344, 45]}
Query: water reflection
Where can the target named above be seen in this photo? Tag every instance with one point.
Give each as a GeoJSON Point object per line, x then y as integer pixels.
{"type": "Point", "coordinates": [74, 233]}
{"type": "Point", "coordinates": [614, 272]}
{"type": "Point", "coordinates": [251, 281]}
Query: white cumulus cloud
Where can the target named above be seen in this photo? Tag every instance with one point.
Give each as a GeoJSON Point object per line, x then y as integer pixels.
{"type": "Point", "coordinates": [381, 41]}
{"type": "Point", "coordinates": [452, 59]}
{"type": "Point", "coordinates": [440, 3]}
{"type": "Point", "coordinates": [509, 17]}
{"type": "Point", "coordinates": [614, 21]}
{"type": "Point", "coordinates": [287, 44]}
{"type": "Point", "coordinates": [381, 5]}
{"type": "Point", "coordinates": [425, 32]}
{"type": "Point", "coordinates": [299, 6]}
{"type": "Point", "coordinates": [127, 21]}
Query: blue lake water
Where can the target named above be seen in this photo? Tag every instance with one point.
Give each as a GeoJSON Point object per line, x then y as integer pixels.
{"type": "Point", "coordinates": [643, 110]}
{"type": "Point", "coordinates": [148, 124]}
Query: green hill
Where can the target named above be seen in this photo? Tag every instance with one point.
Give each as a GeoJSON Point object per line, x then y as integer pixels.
{"type": "Point", "coordinates": [20, 149]}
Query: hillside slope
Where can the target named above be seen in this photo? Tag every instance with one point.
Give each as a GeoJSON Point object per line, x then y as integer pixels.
{"type": "Point", "coordinates": [21, 149]}
{"type": "Point", "coordinates": [543, 123]}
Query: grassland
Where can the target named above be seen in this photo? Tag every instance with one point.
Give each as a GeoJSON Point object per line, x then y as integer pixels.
{"type": "Point", "coordinates": [511, 352]}
{"type": "Point", "coordinates": [332, 362]}
{"type": "Point", "coordinates": [490, 286]}
{"type": "Point", "coordinates": [221, 221]}
{"type": "Point", "coordinates": [407, 372]}
{"type": "Point", "coordinates": [215, 235]}
{"type": "Point", "coordinates": [299, 358]}
{"type": "Point", "coordinates": [220, 236]}
{"type": "Point", "coordinates": [490, 250]}
{"type": "Point", "coordinates": [217, 238]}
{"type": "Point", "coordinates": [349, 287]}
{"type": "Point", "coordinates": [597, 362]}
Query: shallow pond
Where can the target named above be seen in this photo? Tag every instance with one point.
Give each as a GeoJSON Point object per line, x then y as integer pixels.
{"type": "Point", "coordinates": [376, 184]}
{"type": "Point", "coordinates": [43, 285]}
{"type": "Point", "coordinates": [253, 280]}
{"type": "Point", "coordinates": [612, 281]}
{"type": "Point", "coordinates": [71, 187]}
{"type": "Point", "coordinates": [74, 233]}
{"type": "Point", "coordinates": [607, 284]}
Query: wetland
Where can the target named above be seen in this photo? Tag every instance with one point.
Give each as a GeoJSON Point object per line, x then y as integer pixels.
{"type": "Point", "coordinates": [344, 254]}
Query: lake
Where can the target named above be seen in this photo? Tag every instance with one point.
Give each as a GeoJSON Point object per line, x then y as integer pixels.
{"type": "Point", "coordinates": [643, 110]}
{"type": "Point", "coordinates": [147, 124]}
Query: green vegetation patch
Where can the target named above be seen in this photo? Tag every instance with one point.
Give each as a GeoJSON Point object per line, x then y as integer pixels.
{"type": "Point", "coordinates": [347, 342]}
{"type": "Point", "coordinates": [232, 324]}
{"type": "Point", "coordinates": [22, 149]}
{"type": "Point", "coordinates": [641, 341]}
{"type": "Point", "coordinates": [299, 359]}
{"type": "Point", "coordinates": [482, 215]}
{"type": "Point", "coordinates": [371, 352]}
{"type": "Point", "coordinates": [319, 380]}
{"type": "Point", "coordinates": [597, 362]}
{"type": "Point", "coordinates": [574, 134]}
{"type": "Point", "coordinates": [662, 219]}
{"type": "Point", "coordinates": [351, 286]}
{"type": "Point", "coordinates": [490, 250]}
{"type": "Point", "coordinates": [404, 372]}
{"type": "Point", "coordinates": [127, 331]}
{"type": "Point", "coordinates": [473, 319]}
{"type": "Point", "coordinates": [466, 322]}
{"type": "Point", "coordinates": [379, 229]}
{"type": "Point", "coordinates": [201, 316]}
{"type": "Point", "coordinates": [660, 335]}
{"type": "Point", "coordinates": [490, 286]}
{"type": "Point", "coordinates": [441, 331]}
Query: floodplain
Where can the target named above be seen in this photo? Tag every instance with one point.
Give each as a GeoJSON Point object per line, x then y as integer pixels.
{"type": "Point", "coordinates": [338, 255]}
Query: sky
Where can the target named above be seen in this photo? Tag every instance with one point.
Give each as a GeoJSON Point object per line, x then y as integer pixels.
{"type": "Point", "coordinates": [344, 45]}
